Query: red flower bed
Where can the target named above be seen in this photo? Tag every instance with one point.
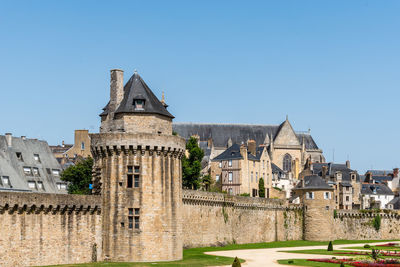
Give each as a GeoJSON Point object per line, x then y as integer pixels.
{"type": "Point", "coordinates": [388, 245]}
{"type": "Point", "coordinates": [388, 253]}
{"type": "Point", "coordinates": [380, 263]}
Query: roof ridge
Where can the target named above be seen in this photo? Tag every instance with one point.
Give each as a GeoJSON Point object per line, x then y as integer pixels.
{"type": "Point", "coordinates": [224, 123]}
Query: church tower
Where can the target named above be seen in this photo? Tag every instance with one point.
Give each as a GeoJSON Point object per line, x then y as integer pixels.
{"type": "Point", "coordinates": [137, 171]}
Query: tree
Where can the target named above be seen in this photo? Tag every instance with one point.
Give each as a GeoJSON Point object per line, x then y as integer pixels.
{"type": "Point", "coordinates": [330, 246]}
{"type": "Point", "coordinates": [236, 263]}
{"type": "Point", "coordinates": [191, 166]}
{"type": "Point", "coordinates": [79, 176]}
{"type": "Point", "coordinates": [261, 188]}
{"type": "Point", "coordinates": [206, 181]}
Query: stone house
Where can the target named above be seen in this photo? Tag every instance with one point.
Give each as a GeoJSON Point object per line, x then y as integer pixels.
{"type": "Point", "coordinates": [345, 181]}
{"type": "Point", "coordinates": [240, 167]}
{"type": "Point", "coordinates": [28, 165]}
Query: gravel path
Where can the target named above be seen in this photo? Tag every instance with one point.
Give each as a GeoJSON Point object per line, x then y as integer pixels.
{"type": "Point", "coordinates": [270, 256]}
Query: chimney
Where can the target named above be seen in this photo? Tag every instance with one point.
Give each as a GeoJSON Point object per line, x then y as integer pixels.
{"type": "Point", "coordinates": [23, 137]}
{"type": "Point", "coordinates": [395, 172]}
{"type": "Point", "coordinates": [368, 177]}
{"type": "Point", "coordinates": [9, 139]}
{"type": "Point", "coordinates": [324, 171]}
{"type": "Point", "coordinates": [302, 183]}
{"type": "Point", "coordinates": [251, 144]}
{"type": "Point", "coordinates": [243, 151]}
{"type": "Point", "coordinates": [348, 164]}
{"type": "Point", "coordinates": [116, 89]}
{"type": "Point", "coordinates": [209, 142]}
{"type": "Point", "coordinates": [62, 144]}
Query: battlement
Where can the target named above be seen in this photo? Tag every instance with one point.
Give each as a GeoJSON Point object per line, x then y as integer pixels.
{"type": "Point", "coordinates": [219, 199]}
{"type": "Point", "coordinates": [15, 202]}
{"type": "Point", "coordinates": [367, 214]}
{"type": "Point", "coordinates": [110, 143]}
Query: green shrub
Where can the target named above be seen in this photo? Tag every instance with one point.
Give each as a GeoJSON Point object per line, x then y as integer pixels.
{"type": "Point", "coordinates": [334, 214]}
{"type": "Point", "coordinates": [236, 263]}
{"type": "Point", "coordinates": [367, 246]}
{"type": "Point", "coordinates": [290, 262]}
{"type": "Point", "coordinates": [342, 264]}
{"type": "Point", "coordinates": [377, 222]}
{"type": "Point", "coordinates": [245, 195]}
{"type": "Point", "coordinates": [330, 246]}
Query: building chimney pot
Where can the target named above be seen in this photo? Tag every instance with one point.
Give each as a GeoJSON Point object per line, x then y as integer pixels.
{"type": "Point", "coordinates": [348, 164]}
{"type": "Point", "coordinates": [23, 137]}
{"type": "Point", "coordinates": [9, 139]}
{"type": "Point", "coordinates": [395, 172]}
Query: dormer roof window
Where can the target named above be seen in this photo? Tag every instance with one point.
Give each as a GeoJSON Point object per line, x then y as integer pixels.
{"type": "Point", "coordinates": [139, 104]}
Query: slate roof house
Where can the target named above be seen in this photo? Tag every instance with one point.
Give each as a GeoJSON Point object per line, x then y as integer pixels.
{"type": "Point", "coordinates": [240, 167]}
{"type": "Point", "coordinates": [28, 165]}
{"type": "Point", "coordinates": [344, 180]}
{"type": "Point", "coordinates": [376, 195]}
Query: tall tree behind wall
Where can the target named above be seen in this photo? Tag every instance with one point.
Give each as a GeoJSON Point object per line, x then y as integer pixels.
{"type": "Point", "coordinates": [191, 166]}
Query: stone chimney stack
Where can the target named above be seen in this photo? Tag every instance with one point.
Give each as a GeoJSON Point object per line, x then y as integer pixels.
{"type": "Point", "coordinates": [116, 89]}
{"type": "Point", "coordinates": [243, 151]}
{"type": "Point", "coordinates": [324, 171]}
{"type": "Point", "coordinates": [395, 172]}
{"type": "Point", "coordinates": [9, 139]}
{"type": "Point", "coordinates": [252, 146]}
{"type": "Point", "coordinates": [348, 164]}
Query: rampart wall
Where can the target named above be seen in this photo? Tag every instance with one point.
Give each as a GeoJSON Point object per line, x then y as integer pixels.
{"type": "Point", "coordinates": [214, 219]}
{"type": "Point", "coordinates": [47, 229]}
{"type": "Point", "coordinates": [352, 224]}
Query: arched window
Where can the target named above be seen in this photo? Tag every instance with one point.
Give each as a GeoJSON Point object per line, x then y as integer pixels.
{"type": "Point", "coordinates": [287, 163]}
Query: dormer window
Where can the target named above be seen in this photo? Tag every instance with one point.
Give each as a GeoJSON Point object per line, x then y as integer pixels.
{"type": "Point", "coordinates": [139, 104]}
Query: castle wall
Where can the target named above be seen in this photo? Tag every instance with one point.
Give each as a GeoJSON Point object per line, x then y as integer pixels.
{"type": "Point", "coordinates": [358, 225]}
{"type": "Point", "coordinates": [212, 219]}
{"type": "Point", "coordinates": [47, 229]}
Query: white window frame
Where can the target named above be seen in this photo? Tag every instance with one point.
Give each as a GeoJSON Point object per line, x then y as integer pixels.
{"type": "Point", "coordinates": [220, 164]}
{"type": "Point", "coordinates": [230, 163]}
{"type": "Point", "coordinates": [31, 184]}
{"type": "Point", "coordinates": [217, 177]}
{"type": "Point", "coordinates": [55, 172]}
{"type": "Point", "coordinates": [327, 195]}
{"type": "Point", "coordinates": [309, 195]}
{"type": "Point", "coordinates": [6, 180]}
{"type": "Point", "coordinates": [230, 176]}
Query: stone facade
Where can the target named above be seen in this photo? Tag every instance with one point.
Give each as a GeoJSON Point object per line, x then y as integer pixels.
{"type": "Point", "coordinates": [213, 219]}
{"type": "Point", "coordinates": [49, 229]}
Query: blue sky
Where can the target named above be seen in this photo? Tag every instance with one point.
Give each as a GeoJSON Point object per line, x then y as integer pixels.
{"type": "Point", "coordinates": [332, 66]}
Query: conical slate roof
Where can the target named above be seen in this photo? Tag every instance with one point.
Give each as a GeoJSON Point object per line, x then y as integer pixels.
{"type": "Point", "coordinates": [137, 89]}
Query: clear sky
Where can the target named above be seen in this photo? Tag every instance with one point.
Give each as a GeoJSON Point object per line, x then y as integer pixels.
{"type": "Point", "coordinates": [332, 66]}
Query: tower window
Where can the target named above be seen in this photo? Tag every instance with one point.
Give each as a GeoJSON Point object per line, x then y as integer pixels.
{"type": "Point", "coordinates": [133, 218]}
{"type": "Point", "coordinates": [139, 104]}
{"type": "Point", "coordinates": [130, 181]}
{"type": "Point", "coordinates": [83, 146]}
{"type": "Point", "coordinates": [136, 181]}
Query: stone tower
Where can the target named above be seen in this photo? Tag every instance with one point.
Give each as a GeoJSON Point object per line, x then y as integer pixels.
{"type": "Point", "coordinates": [137, 171]}
{"type": "Point", "coordinates": [318, 200]}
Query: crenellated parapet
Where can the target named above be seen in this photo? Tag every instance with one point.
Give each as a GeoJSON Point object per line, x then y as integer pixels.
{"type": "Point", "coordinates": [37, 203]}
{"type": "Point", "coordinates": [201, 198]}
{"type": "Point", "coordinates": [108, 144]}
{"type": "Point", "coordinates": [361, 214]}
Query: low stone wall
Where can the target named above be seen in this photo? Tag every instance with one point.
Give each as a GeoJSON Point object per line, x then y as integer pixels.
{"type": "Point", "coordinates": [358, 225]}
{"type": "Point", "coordinates": [212, 219]}
{"type": "Point", "coordinates": [47, 229]}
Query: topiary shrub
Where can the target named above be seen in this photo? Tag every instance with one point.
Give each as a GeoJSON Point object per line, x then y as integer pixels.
{"type": "Point", "coordinates": [236, 263]}
{"type": "Point", "coordinates": [367, 246]}
{"type": "Point", "coordinates": [342, 264]}
{"type": "Point", "coordinates": [290, 262]}
{"type": "Point", "coordinates": [377, 222]}
{"type": "Point", "coordinates": [330, 246]}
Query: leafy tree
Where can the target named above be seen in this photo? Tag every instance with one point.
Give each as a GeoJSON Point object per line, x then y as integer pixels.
{"type": "Point", "coordinates": [377, 222]}
{"type": "Point", "coordinates": [236, 263]}
{"type": "Point", "coordinates": [206, 181]}
{"type": "Point", "coordinates": [79, 176]}
{"type": "Point", "coordinates": [330, 246]}
{"type": "Point", "coordinates": [191, 166]}
{"type": "Point", "coordinates": [261, 188]}
{"type": "Point", "coordinates": [375, 254]}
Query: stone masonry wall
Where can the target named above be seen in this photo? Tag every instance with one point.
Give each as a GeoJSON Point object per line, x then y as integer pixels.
{"type": "Point", "coordinates": [47, 229]}
{"type": "Point", "coordinates": [212, 219]}
{"type": "Point", "coordinates": [352, 224]}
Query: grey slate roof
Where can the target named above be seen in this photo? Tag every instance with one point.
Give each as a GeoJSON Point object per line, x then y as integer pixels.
{"type": "Point", "coordinates": [220, 133]}
{"type": "Point", "coordinates": [334, 167]}
{"type": "Point", "coordinates": [276, 169]}
{"type": "Point", "coordinates": [137, 89]}
{"type": "Point", "coordinates": [231, 153]}
{"type": "Point", "coordinates": [380, 172]}
{"type": "Point", "coordinates": [13, 168]}
{"type": "Point", "coordinates": [376, 189]}
{"type": "Point", "coordinates": [382, 178]}
{"type": "Point", "coordinates": [313, 182]}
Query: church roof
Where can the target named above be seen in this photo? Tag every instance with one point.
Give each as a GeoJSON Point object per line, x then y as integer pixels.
{"type": "Point", "coordinates": [137, 89]}
{"type": "Point", "coordinates": [221, 132]}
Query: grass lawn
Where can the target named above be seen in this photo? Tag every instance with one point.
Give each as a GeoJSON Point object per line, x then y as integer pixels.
{"type": "Point", "coordinates": [195, 257]}
{"type": "Point", "coordinates": [301, 262]}
{"type": "Point", "coordinates": [319, 252]}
